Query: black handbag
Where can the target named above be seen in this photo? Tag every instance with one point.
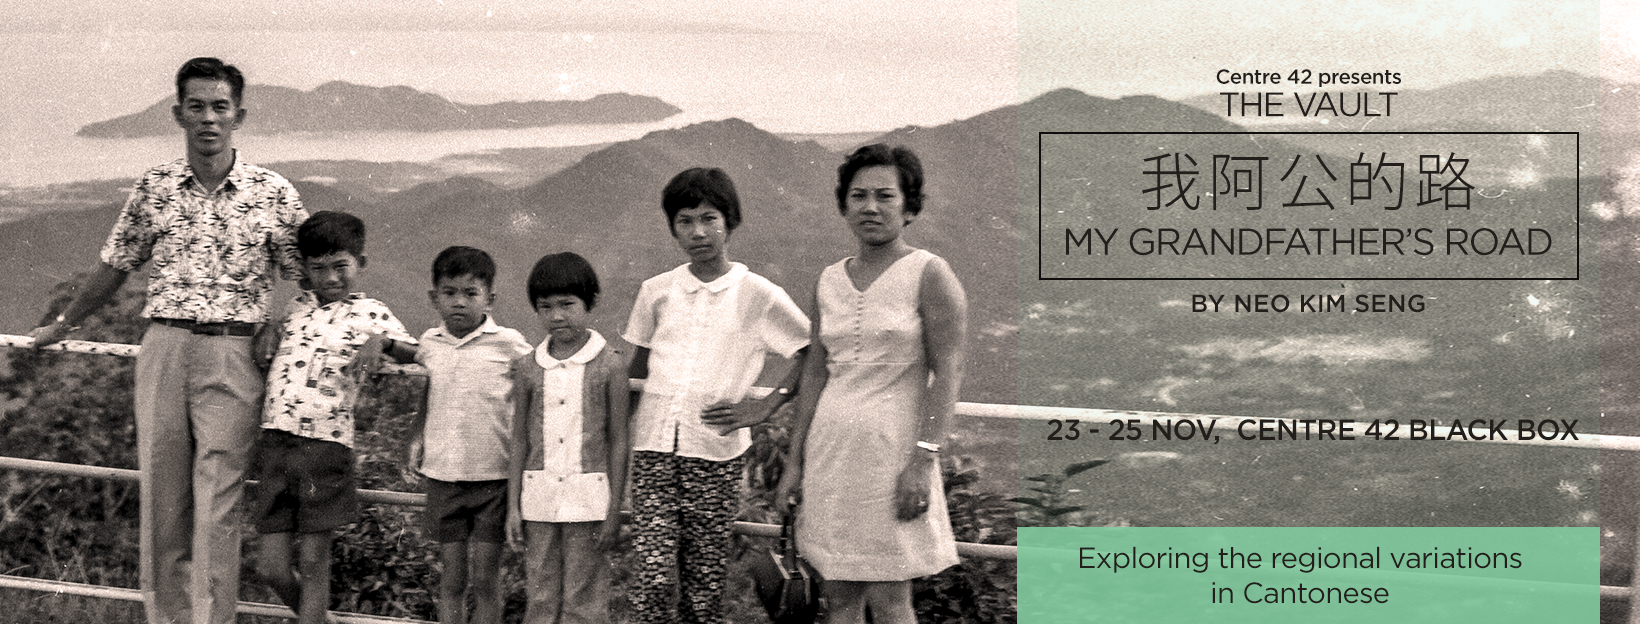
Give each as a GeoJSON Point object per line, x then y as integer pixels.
{"type": "Point", "coordinates": [786, 584]}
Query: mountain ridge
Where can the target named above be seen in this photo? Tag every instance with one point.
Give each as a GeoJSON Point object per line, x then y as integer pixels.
{"type": "Point", "coordinates": [340, 106]}
{"type": "Point", "coordinates": [605, 205]}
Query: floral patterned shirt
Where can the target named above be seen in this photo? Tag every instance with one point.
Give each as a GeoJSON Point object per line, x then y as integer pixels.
{"type": "Point", "coordinates": [307, 393]}
{"type": "Point", "coordinates": [213, 251]}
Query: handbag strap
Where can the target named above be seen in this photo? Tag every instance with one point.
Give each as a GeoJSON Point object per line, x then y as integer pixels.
{"type": "Point", "coordinates": [788, 531]}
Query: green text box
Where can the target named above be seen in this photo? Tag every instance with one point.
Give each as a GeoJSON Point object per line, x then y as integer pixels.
{"type": "Point", "coordinates": [1451, 575]}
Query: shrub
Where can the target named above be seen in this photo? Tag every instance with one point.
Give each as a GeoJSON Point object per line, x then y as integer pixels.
{"type": "Point", "coordinates": [77, 408]}
{"type": "Point", "coordinates": [72, 408]}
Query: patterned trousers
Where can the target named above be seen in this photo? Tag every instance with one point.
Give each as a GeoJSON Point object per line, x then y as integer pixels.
{"type": "Point", "coordinates": [682, 507]}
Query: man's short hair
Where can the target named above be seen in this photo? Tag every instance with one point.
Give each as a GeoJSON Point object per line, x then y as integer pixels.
{"type": "Point", "coordinates": [701, 185]}
{"type": "Point", "coordinates": [327, 232]}
{"type": "Point", "coordinates": [211, 69]}
{"type": "Point", "coordinates": [457, 261]}
{"type": "Point", "coordinates": [563, 274]}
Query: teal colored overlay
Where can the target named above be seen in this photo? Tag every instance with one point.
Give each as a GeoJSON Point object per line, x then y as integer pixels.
{"type": "Point", "coordinates": [1340, 575]}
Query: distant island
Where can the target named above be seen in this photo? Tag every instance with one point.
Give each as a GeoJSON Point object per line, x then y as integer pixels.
{"type": "Point", "coordinates": [345, 107]}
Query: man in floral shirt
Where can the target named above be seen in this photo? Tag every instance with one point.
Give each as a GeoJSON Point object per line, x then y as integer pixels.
{"type": "Point", "coordinates": [212, 229]}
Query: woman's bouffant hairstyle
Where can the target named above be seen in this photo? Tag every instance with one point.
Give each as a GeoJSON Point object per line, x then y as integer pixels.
{"type": "Point", "coordinates": [901, 158]}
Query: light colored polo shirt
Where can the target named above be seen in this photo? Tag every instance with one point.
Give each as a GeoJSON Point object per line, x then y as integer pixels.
{"type": "Point", "coordinates": [706, 343]}
{"type": "Point", "coordinates": [468, 430]}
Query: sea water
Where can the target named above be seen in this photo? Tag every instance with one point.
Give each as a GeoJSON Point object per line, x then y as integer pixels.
{"type": "Point", "coordinates": [782, 82]}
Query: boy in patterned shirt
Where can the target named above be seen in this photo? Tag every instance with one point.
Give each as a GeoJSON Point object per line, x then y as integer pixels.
{"type": "Point", "coordinates": [331, 341]}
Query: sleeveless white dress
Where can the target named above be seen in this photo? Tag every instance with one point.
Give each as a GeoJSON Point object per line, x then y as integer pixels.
{"type": "Point", "coordinates": [865, 430]}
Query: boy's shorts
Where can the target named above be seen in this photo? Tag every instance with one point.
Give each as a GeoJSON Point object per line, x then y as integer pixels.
{"type": "Point", "coordinates": [306, 484]}
{"type": "Point", "coordinates": [461, 511]}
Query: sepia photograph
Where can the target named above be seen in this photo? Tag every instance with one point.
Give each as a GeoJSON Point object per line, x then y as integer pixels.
{"type": "Point", "coordinates": [496, 311]}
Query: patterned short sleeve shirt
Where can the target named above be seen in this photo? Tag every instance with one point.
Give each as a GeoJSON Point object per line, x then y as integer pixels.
{"type": "Point", "coordinates": [213, 252]}
{"type": "Point", "coordinates": [307, 393]}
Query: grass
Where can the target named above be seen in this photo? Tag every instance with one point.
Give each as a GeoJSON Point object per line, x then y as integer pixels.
{"type": "Point", "coordinates": [32, 607]}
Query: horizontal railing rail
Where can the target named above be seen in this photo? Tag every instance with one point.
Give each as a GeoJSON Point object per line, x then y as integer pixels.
{"type": "Point", "coordinates": [979, 410]}
{"type": "Point", "coordinates": [413, 499]}
{"type": "Point", "coordinates": [123, 593]}
{"type": "Point", "coordinates": [1596, 441]}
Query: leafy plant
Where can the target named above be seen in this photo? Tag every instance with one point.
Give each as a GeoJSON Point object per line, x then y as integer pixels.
{"type": "Point", "coordinates": [77, 408]}
{"type": "Point", "coordinates": [975, 590]}
{"type": "Point", "coordinates": [71, 408]}
{"type": "Point", "coordinates": [1045, 506]}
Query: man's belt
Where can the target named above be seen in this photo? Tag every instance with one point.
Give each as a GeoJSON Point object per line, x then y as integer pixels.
{"type": "Point", "coordinates": [230, 328]}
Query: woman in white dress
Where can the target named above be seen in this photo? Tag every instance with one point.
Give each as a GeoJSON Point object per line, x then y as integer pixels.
{"type": "Point", "coordinates": [878, 388]}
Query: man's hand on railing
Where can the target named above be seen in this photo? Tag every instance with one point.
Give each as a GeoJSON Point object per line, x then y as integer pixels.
{"type": "Point", "coordinates": [49, 334]}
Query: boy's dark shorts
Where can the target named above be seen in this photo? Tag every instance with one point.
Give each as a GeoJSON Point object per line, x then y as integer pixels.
{"type": "Point", "coordinates": [306, 484]}
{"type": "Point", "coordinates": [462, 511]}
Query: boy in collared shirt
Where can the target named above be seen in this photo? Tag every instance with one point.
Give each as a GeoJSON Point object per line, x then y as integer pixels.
{"type": "Point", "coordinates": [701, 332]}
{"type": "Point", "coordinates": [331, 342]}
{"type": "Point", "coordinates": [461, 443]}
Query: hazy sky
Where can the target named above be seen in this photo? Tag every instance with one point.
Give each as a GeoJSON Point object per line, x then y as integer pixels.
{"type": "Point", "coordinates": [1107, 47]}
{"type": "Point", "coordinates": [1174, 47]}
{"type": "Point", "coordinates": [905, 18]}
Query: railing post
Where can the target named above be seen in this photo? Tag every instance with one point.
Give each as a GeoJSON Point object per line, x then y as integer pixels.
{"type": "Point", "coordinates": [1634, 581]}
